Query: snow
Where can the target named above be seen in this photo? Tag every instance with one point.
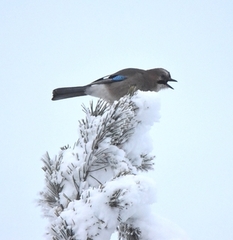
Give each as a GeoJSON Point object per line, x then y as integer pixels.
{"type": "Point", "coordinates": [99, 185]}
{"type": "Point", "coordinates": [148, 113]}
{"type": "Point", "coordinates": [94, 212]}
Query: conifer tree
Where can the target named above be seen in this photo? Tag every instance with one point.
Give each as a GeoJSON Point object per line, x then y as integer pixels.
{"type": "Point", "coordinates": [97, 186]}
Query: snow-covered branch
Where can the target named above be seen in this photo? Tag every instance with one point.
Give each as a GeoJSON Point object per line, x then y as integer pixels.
{"type": "Point", "coordinates": [97, 187]}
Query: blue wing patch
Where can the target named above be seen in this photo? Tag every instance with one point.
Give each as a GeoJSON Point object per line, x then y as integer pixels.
{"type": "Point", "coordinates": [110, 79]}
{"type": "Point", "coordinates": [118, 77]}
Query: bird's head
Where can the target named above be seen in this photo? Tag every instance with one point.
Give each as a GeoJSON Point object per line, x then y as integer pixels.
{"type": "Point", "coordinates": [162, 77]}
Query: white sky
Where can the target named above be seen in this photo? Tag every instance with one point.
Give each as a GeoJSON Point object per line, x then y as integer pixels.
{"type": "Point", "coordinates": [50, 44]}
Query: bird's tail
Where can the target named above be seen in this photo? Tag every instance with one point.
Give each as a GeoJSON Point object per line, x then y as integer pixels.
{"type": "Point", "coordinates": [69, 92]}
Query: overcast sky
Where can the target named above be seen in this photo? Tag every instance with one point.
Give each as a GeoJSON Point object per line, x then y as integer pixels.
{"type": "Point", "coordinates": [50, 44]}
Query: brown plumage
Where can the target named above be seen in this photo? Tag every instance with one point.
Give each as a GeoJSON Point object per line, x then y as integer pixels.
{"type": "Point", "coordinates": [117, 85]}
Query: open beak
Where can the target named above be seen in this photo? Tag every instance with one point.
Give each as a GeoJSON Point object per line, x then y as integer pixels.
{"type": "Point", "coordinates": [170, 80]}
{"type": "Point", "coordinates": [165, 82]}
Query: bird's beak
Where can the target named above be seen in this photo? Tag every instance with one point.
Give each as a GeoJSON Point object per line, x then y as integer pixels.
{"type": "Point", "coordinates": [170, 80]}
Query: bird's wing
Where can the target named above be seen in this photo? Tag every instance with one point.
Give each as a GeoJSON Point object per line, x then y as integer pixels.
{"type": "Point", "coordinates": [110, 79]}
{"type": "Point", "coordinates": [119, 76]}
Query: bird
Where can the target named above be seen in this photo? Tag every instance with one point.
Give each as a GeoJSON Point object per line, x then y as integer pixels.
{"type": "Point", "coordinates": [114, 86]}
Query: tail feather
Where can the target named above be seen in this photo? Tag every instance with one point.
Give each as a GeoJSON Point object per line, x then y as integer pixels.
{"type": "Point", "coordinates": [69, 92]}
